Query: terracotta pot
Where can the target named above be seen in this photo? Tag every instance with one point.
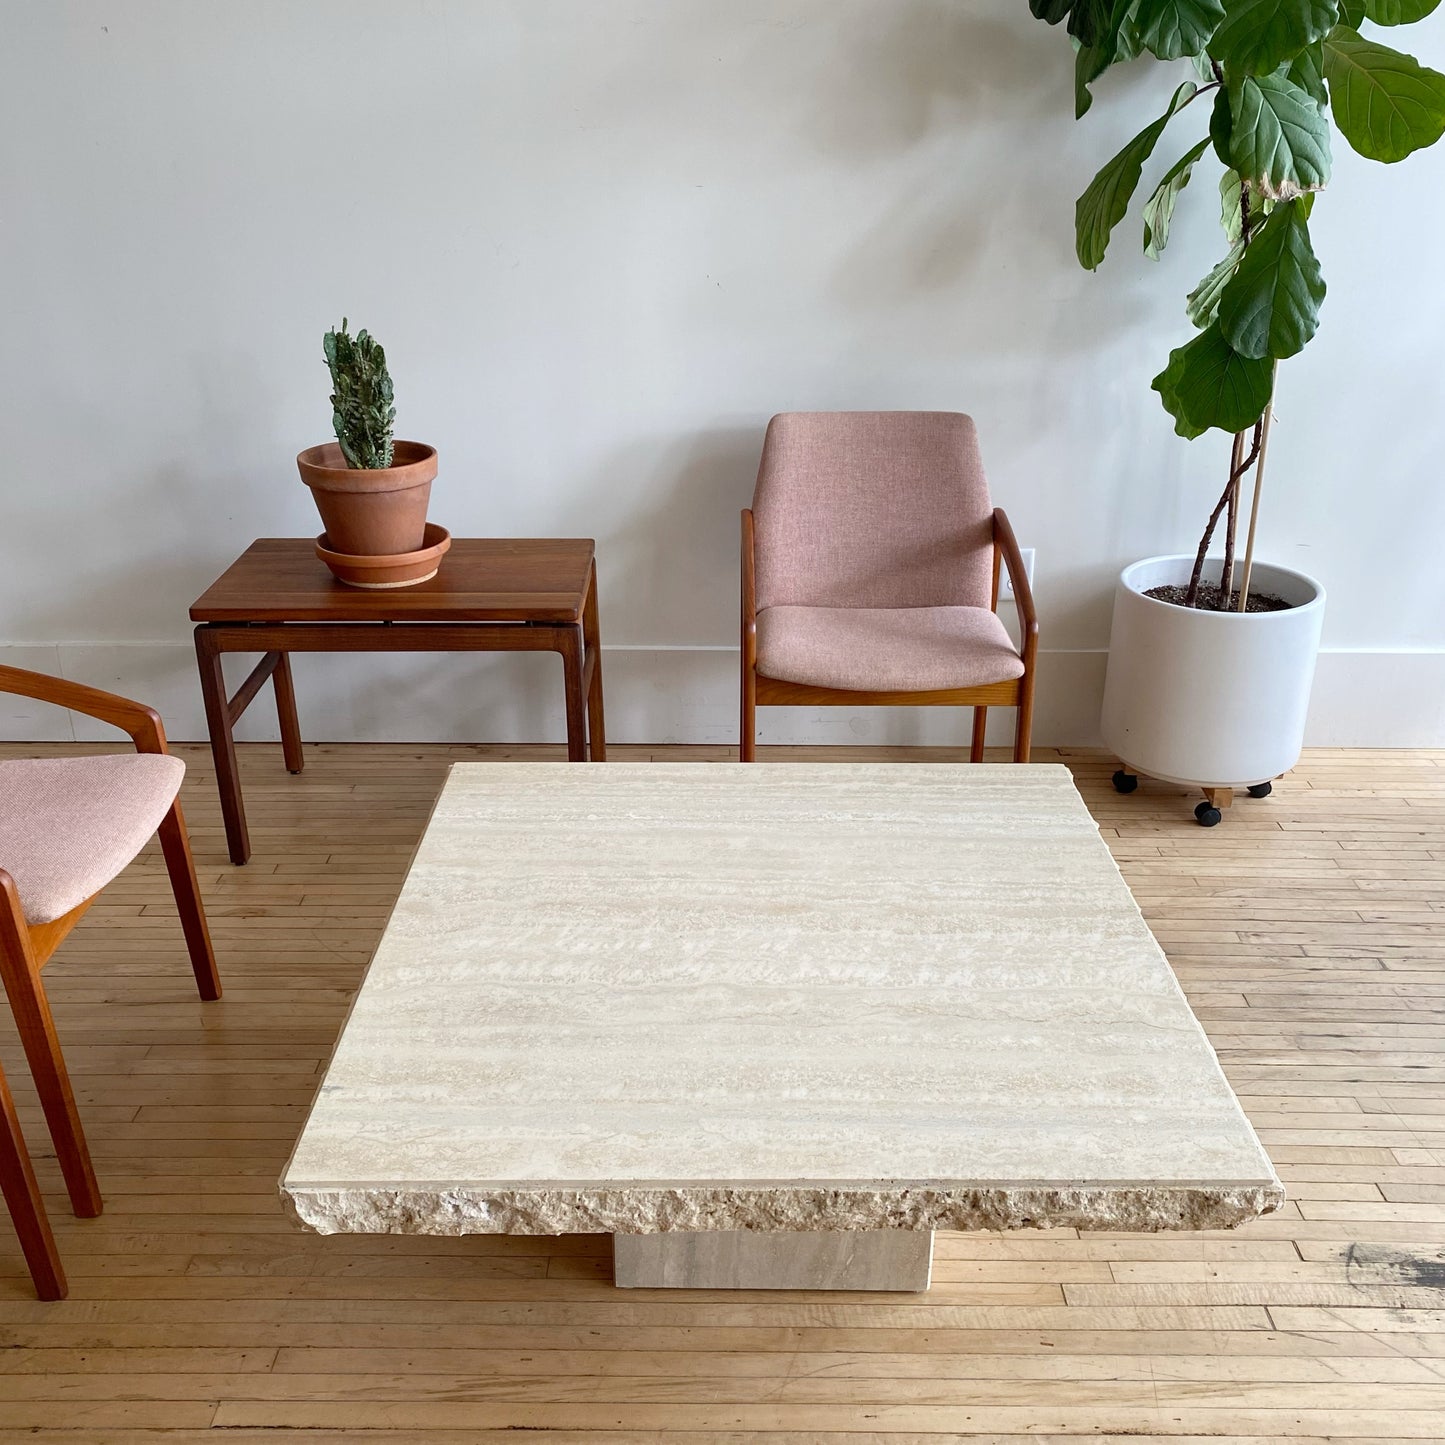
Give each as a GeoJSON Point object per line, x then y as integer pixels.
{"type": "Point", "coordinates": [371, 513]}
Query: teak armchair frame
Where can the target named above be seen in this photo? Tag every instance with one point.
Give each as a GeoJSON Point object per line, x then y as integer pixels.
{"type": "Point", "coordinates": [761, 691]}
{"type": "Point", "coordinates": [22, 1195]}
{"type": "Point", "coordinates": [25, 949]}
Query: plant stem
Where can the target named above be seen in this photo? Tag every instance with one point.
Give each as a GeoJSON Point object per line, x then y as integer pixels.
{"type": "Point", "coordinates": [1237, 469]}
{"type": "Point", "coordinates": [1191, 597]}
{"type": "Point", "coordinates": [1203, 90]}
{"type": "Point", "coordinates": [1231, 522]}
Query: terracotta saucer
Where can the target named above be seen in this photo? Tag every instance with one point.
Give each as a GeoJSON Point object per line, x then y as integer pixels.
{"type": "Point", "coordinates": [402, 569]}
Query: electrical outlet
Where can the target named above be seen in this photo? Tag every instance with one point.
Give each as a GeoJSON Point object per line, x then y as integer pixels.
{"type": "Point", "coordinates": [1005, 585]}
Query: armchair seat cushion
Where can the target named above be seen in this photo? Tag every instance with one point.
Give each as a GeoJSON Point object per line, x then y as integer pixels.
{"type": "Point", "coordinates": [886, 649]}
{"type": "Point", "coordinates": [69, 825]}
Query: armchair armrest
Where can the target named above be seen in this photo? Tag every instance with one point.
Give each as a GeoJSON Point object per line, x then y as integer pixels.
{"type": "Point", "coordinates": [750, 595]}
{"type": "Point", "coordinates": [142, 723]}
{"type": "Point", "coordinates": [1006, 545]}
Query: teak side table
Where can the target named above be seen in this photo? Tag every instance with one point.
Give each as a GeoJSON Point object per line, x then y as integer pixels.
{"type": "Point", "coordinates": [491, 595]}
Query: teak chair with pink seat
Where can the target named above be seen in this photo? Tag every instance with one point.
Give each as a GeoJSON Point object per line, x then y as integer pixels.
{"type": "Point", "coordinates": [68, 826]}
{"type": "Point", "coordinates": [871, 565]}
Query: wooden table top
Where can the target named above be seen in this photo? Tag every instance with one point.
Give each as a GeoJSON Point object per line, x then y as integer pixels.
{"type": "Point", "coordinates": [482, 579]}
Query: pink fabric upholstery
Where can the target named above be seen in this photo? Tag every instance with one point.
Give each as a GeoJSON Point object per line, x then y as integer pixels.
{"type": "Point", "coordinates": [872, 509]}
{"type": "Point", "coordinates": [886, 649]}
{"type": "Point", "coordinates": [69, 825]}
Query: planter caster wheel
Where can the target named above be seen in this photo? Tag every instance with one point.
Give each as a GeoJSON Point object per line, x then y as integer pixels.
{"type": "Point", "coordinates": [1207, 814]}
{"type": "Point", "coordinates": [1125, 782]}
{"type": "Point", "coordinates": [1260, 790]}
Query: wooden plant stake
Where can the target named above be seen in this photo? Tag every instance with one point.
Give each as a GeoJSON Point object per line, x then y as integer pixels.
{"type": "Point", "coordinates": [1258, 487]}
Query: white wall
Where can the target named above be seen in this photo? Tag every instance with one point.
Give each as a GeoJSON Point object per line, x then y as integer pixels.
{"type": "Point", "coordinates": [603, 240]}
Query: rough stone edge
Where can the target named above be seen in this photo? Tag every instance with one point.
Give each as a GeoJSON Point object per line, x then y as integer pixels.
{"type": "Point", "coordinates": [1134, 1208]}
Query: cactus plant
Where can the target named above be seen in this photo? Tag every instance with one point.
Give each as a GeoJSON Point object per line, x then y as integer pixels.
{"type": "Point", "coordinates": [361, 397]}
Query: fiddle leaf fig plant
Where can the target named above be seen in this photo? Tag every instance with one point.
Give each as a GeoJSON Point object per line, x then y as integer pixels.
{"type": "Point", "coordinates": [1279, 71]}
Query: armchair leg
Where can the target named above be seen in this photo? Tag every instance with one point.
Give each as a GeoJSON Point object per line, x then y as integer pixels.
{"type": "Point", "coordinates": [42, 1051]}
{"type": "Point", "coordinates": [980, 726]}
{"type": "Point", "coordinates": [1024, 727]}
{"type": "Point", "coordinates": [22, 1195]}
{"type": "Point", "coordinates": [176, 845]}
{"type": "Point", "coordinates": [747, 748]}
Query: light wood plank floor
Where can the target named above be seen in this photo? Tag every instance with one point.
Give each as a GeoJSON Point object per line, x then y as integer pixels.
{"type": "Point", "coordinates": [1309, 931]}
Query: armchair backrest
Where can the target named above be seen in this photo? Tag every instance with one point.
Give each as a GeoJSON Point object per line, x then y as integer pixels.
{"type": "Point", "coordinates": [873, 509]}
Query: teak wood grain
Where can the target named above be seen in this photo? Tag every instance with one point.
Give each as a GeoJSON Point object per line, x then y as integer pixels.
{"type": "Point", "coordinates": [490, 595]}
{"type": "Point", "coordinates": [280, 579]}
{"type": "Point", "coordinates": [1308, 936]}
{"type": "Point", "coordinates": [27, 1213]}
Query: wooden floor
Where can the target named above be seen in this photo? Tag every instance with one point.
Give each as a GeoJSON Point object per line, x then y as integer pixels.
{"type": "Point", "coordinates": [1309, 931]}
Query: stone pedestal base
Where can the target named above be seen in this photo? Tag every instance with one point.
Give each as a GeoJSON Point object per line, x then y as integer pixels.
{"type": "Point", "coordinates": [873, 1259]}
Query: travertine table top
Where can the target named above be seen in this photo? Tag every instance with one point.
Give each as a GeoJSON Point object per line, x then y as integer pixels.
{"type": "Point", "coordinates": [632, 998]}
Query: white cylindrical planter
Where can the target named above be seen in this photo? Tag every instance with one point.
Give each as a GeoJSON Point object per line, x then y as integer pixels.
{"type": "Point", "coordinates": [1216, 699]}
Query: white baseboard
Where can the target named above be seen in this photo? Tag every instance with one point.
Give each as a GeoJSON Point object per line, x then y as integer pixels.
{"type": "Point", "coordinates": [660, 695]}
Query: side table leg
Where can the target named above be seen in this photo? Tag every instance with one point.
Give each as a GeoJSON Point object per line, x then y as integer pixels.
{"type": "Point", "coordinates": [223, 744]}
{"type": "Point", "coordinates": [286, 715]}
{"type": "Point", "coordinates": [572, 674]}
{"type": "Point", "coordinates": [592, 645]}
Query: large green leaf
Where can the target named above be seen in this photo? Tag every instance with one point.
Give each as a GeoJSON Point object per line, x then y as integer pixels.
{"type": "Point", "coordinates": [1279, 137]}
{"type": "Point", "coordinates": [1112, 42]}
{"type": "Point", "coordinates": [1271, 307]}
{"type": "Point", "coordinates": [1103, 205]}
{"type": "Point", "coordinates": [1051, 10]}
{"type": "Point", "coordinates": [1352, 13]}
{"type": "Point", "coordinates": [1126, 32]}
{"type": "Point", "coordinates": [1172, 29]}
{"type": "Point", "coordinates": [1089, 19]}
{"type": "Point", "coordinates": [1090, 62]}
{"type": "Point", "coordinates": [1209, 384]}
{"type": "Point", "coordinates": [1385, 103]}
{"type": "Point", "coordinates": [1231, 188]}
{"type": "Point", "coordinates": [1203, 302]}
{"type": "Point", "coordinates": [1159, 208]}
{"type": "Point", "coordinates": [1258, 36]}
{"type": "Point", "coordinates": [1396, 12]}
{"type": "Point", "coordinates": [1307, 70]}
{"type": "Point", "coordinates": [1221, 123]}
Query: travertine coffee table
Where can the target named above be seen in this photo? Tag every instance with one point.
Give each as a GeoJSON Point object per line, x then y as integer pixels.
{"type": "Point", "coordinates": [770, 1026]}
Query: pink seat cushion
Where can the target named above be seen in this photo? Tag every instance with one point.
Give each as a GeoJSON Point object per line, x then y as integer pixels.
{"type": "Point", "coordinates": [69, 825]}
{"type": "Point", "coordinates": [886, 649]}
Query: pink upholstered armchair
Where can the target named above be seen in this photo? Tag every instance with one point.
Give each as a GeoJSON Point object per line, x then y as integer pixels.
{"type": "Point", "coordinates": [871, 560]}
{"type": "Point", "coordinates": [67, 828]}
